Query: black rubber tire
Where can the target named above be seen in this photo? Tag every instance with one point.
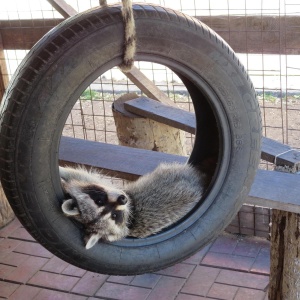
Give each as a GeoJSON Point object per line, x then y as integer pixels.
{"type": "Point", "coordinates": [52, 77]}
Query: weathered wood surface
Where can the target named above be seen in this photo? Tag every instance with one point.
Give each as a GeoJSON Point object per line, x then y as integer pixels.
{"type": "Point", "coordinates": [63, 8]}
{"type": "Point", "coordinates": [258, 34]}
{"type": "Point", "coordinates": [285, 249]}
{"type": "Point", "coordinates": [159, 112]}
{"type": "Point", "coordinates": [6, 213]}
{"type": "Point", "coordinates": [120, 161]}
{"type": "Point", "coordinates": [184, 120]}
{"type": "Point", "coordinates": [272, 189]}
{"type": "Point", "coordinates": [144, 133]}
{"type": "Point", "coordinates": [147, 86]}
{"type": "Point", "coordinates": [245, 34]}
{"type": "Point", "coordinates": [23, 34]}
{"type": "Point", "coordinates": [4, 79]}
{"type": "Point", "coordinates": [279, 190]}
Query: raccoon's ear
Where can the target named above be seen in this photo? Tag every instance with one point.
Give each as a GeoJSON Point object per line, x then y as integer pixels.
{"type": "Point", "coordinates": [91, 240]}
{"type": "Point", "coordinates": [69, 208]}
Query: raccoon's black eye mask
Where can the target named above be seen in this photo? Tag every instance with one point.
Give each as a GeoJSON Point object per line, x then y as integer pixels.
{"type": "Point", "coordinates": [97, 194]}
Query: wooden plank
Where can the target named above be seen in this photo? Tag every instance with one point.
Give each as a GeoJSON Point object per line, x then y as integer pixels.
{"type": "Point", "coordinates": [159, 112]}
{"type": "Point", "coordinates": [63, 8]}
{"type": "Point", "coordinates": [124, 162]}
{"type": "Point", "coordinates": [23, 34]}
{"type": "Point", "coordinates": [270, 189]}
{"type": "Point", "coordinates": [147, 86]}
{"type": "Point", "coordinates": [245, 34]}
{"type": "Point", "coordinates": [272, 149]}
{"type": "Point", "coordinates": [184, 120]}
{"type": "Point", "coordinates": [257, 34]}
{"type": "Point", "coordinates": [278, 190]}
{"type": "Point", "coordinates": [290, 158]}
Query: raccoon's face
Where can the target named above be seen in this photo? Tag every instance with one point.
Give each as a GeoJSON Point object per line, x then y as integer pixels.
{"type": "Point", "coordinates": [104, 211]}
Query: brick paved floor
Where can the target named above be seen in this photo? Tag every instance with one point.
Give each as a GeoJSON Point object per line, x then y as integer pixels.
{"type": "Point", "coordinates": [232, 267]}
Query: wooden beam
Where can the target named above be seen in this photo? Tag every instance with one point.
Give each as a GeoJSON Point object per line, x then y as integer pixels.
{"type": "Point", "coordinates": [258, 34]}
{"type": "Point", "coordinates": [270, 189]}
{"type": "Point", "coordinates": [245, 34]}
{"type": "Point", "coordinates": [23, 34]}
{"type": "Point", "coordinates": [4, 78]}
{"type": "Point", "coordinates": [63, 8]}
{"type": "Point", "coordinates": [271, 150]}
{"type": "Point", "coordinates": [148, 87]}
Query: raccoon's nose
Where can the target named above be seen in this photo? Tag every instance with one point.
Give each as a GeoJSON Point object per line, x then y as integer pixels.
{"type": "Point", "coordinates": [122, 200]}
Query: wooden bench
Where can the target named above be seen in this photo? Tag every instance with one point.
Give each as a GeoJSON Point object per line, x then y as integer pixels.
{"type": "Point", "coordinates": [270, 189]}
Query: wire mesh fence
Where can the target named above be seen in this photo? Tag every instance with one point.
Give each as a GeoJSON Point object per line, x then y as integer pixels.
{"type": "Point", "coordinates": [263, 33]}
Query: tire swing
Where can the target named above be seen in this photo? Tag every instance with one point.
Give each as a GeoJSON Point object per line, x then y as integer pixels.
{"type": "Point", "coordinates": [50, 80]}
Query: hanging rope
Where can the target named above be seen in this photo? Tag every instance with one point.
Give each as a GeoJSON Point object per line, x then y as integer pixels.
{"type": "Point", "coordinates": [129, 34]}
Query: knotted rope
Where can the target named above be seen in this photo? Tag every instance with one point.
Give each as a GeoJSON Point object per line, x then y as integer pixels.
{"type": "Point", "coordinates": [129, 34]}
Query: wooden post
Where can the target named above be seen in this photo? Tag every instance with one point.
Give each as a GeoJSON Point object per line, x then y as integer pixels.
{"type": "Point", "coordinates": [138, 132]}
{"type": "Point", "coordinates": [285, 250]}
{"type": "Point", "coordinates": [285, 256]}
{"type": "Point", "coordinates": [4, 79]}
{"type": "Point", "coordinates": [6, 213]}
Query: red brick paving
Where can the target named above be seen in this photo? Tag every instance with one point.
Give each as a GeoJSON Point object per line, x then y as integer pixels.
{"type": "Point", "coordinates": [73, 271]}
{"type": "Point", "coordinates": [248, 294]}
{"type": "Point", "coordinates": [27, 269]}
{"type": "Point", "coordinates": [53, 281]}
{"type": "Point", "coordinates": [233, 268]}
{"type": "Point", "coordinates": [201, 280]}
{"type": "Point", "coordinates": [120, 291]}
{"type": "Point", "coordinates": [146, 280]}
{"type": "Point", "coordinates": [178, 270]}
{"type": "Point", "coordinates": [89, 284]}
{"type": "Point", "coordinates": [222, 291]}
{"type": "Point", "coordinates": [228, 261]}
{"type": "Point", "coordinates": [7, 288]}
{"type": "Point", "coordinates": [25, 292]}
{"type": "Point", "coordinates": [166, 288]}
{"type": "Point", "coordinates": [242, 279]}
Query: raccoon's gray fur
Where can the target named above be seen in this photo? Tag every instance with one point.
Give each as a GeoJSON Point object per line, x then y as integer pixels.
{"type": "Point", "coordinates": [141, 208]}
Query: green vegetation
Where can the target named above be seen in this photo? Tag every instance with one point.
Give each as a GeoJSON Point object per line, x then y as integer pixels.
{"type": "Point", "coordinates": [89, 94]}
{"type": "Point", "coordinates": [267, 96]}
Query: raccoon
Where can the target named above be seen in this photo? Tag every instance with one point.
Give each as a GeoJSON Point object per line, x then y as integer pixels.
{"type": "Point", "coordinates": [139, 209]}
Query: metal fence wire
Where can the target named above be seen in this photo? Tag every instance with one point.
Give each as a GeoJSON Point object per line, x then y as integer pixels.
{"type": "Point", "coordinates": [264, 34]}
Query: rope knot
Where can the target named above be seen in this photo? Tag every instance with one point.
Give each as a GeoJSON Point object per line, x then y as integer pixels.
{"type": "Point", "coordinates": [129, 35]}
